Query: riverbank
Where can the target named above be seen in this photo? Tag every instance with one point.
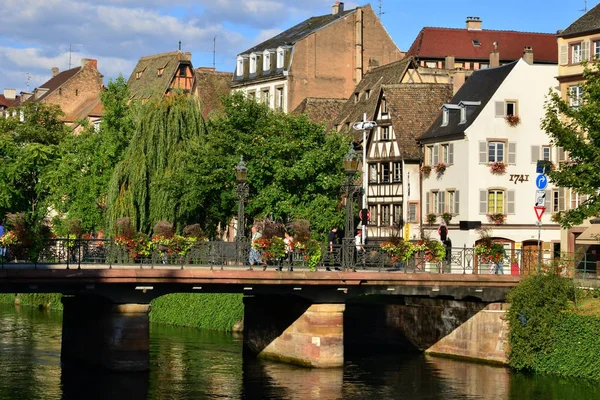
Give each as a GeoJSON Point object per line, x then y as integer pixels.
{"type": "Point", "coordinates": [218, 312]}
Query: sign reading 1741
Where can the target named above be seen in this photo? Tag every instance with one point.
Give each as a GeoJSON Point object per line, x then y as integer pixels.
{"type": "Point", "coordinates": [541, 181]}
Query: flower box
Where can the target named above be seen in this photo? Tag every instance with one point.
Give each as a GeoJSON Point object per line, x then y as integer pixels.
{"type": "Point", "coordinates": [498, 168]}
{"type": "Point", "coordinates": [440, 168]}
{"type": "Point", "coordinates": [431, 218]}
{"type": "Point", "coordinates": [512, 120]}
{"type": "Point", "coordinates": [496, 218]}
{"type": "Point", "coordinates": [426, 171]}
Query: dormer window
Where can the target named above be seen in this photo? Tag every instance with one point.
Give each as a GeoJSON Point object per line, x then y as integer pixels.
{"type": "Point", "coordinates": [266, 61]}
{"type": "Point", "coordinates": [240, 66]}
{"type": "Point", "coordinates": [182, 70]}
{"type": "Point", "coordinates": [356, 97]}
{"type": "Point", "coordinates": [476, 43]}
{"type": "Point", "coordinates": [280, 57]}
{"type": "Point", "coordinates": [160, 71]}
{"type": "Point", "coordinates": [384, 107]}
{"type": "Point", "coordinates": [253, 63]}
{"type": "Point", "coordinates": [463, 115]}
{"type": "Point", "coordinates": [445, 116]}
{"type": "Point", "coordinates": [367, 94]}
{"type": "Point", "coordinates": [138, 74]}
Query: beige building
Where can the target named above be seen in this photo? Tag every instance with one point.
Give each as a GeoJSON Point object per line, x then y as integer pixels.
{"type": "Point", "coordinates": [323, 57]}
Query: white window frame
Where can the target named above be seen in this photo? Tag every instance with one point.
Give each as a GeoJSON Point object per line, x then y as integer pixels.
{"type": "Point", "coordinates": [596, 49]}
{"type": "Point", "coordinates": [384, 106]}
{"type": "Point", "coordinates": [429, 149]}
{"type": "Point", "coordinates": [240, 66]}
{"type": "Point", "coordinates": [445, 116]}
{"type": "Point", "coordinates": [280, 57]}
{"type": "Point", "coordinates": [576, 55]}
{"type": "Point", "coordinates": [575, 92]}
{"type": "Point", "coordinates": [397, 171]}
{"type": "Point", "coordinates": [280, 98]}
{"type": "Point", "coordinates": [386, 174]}
{"type": "Point", "coordinates": [266, 61]}
{"type": "Point", "coordinates": [495, 156]}
{"type": "Point", "coordinates": [546, 153]}
{"type": "Point", "coordinates": [373, 173]}
{"type": "Point", "coordinates": [385, 133]}
{"type": "Point", "coordinates": [386, 219]}
{"type": "Point", "coordinates": [396, 213]}
{"type": "Point", "coordinates": [413, 212]}
{"type": "Point", "coordinates": [266, 96]}
{"type": "Point", "coordinates": [252, 63]}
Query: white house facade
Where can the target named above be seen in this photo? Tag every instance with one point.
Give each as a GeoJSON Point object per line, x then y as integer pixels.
{"type": "Point", "coordinates": [490, 140]}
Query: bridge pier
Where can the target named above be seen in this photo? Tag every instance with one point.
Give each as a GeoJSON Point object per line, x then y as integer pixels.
{"type": "Point", "coordinates": [99, 332]}
{"type": "Point", "coordinates": [293, 330]}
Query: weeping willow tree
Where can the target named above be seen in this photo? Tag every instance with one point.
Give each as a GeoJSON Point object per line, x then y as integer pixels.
{"type": "Point", "coordinates": [139, 186]}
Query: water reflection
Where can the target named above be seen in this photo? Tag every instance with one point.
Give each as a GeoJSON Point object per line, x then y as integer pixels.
{"type": "Point", "coordinates": [78, 383]}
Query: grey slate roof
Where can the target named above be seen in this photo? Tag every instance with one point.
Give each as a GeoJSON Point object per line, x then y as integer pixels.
{"type": "Point", "coordinates": [590, 21]}
{"type": "Point", "coordinates": [481, 86]}
{"type": "Point", "coordinates": [297, 32]}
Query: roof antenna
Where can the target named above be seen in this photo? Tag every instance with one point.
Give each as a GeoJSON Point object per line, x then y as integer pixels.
{"type": "Point", "coordinates": [180, 45]}
{"type": "Point", "coordinates": [27, 81]}
{"type": "Point", "coordinates": [380, 13]}
{"type": "Point", "coordinates": [71, 50]}
{"type": "Point", "coordinates": [584, 6]}
{"type": "Point", "coordinates": [214, 51]}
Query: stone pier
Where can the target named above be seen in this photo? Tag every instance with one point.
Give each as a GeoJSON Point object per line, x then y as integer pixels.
{"type": "Point", "coordinates": [99, 332]}
{"type": "Point", "coordinates": [293, 330]}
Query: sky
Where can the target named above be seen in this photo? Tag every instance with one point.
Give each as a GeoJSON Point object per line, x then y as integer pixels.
{"type": "Point", "coordinates": [36, 35]}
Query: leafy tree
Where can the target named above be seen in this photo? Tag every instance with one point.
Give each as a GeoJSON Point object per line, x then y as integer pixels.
{"type": "Point", "coordinates": [577, 131]}
{"type": "Point", "coordinates": [294, 168]}
{"type": "Point", "coordinates": [79, 178]}
{"type": "Point", "coordinates": [29, 141]}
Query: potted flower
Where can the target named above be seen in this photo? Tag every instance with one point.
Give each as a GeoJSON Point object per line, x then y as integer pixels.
{"type": "Point", "coordinates": [487, 252]}
{"type": "Point", "coordinates": [440, 168]}
{"type": "Point", "coordinates": [496, 218]}
{"type": "Point", "coordinates": [431, 218]}
{"type": "Point", "coordinates": [447, 217]}
{"type": "Point", "coordinates": [426, 171]}
{"type": "Point", "coordinates": [512, 120]}
{"type": "Point", "coordinates": [555, 217]}
{"type": "Point", "coordinates": [498, 168]}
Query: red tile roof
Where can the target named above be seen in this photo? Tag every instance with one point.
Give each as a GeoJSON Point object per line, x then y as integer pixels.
{"type": "Point", "coordinates": [437, 43]}
{"type": "Point", "coordinates": [4, 102]}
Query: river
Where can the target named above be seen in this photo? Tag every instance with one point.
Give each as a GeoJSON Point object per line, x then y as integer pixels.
{"type": "Point", "coordinates": [194, 364]}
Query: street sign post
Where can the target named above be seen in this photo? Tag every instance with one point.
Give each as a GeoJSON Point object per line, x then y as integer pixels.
{"type": "Point", "coordinates": [541, 181]}
{"type": "Point", "coordinates": [540, 198]}
{"type": "Point", "coordinates": [539, 211]}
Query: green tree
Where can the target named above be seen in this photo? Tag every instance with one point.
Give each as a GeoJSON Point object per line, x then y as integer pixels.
{"type": "Point", "coordinates": [80, 176]}
{"type": "Point", "coordinates": [294, 168]}
{"type": "Point", "coordinates": [29, 141]}
{"type": "Point", "coordinates": [577, 131]}
{"type": "Point", "coordinates": [138, 188]}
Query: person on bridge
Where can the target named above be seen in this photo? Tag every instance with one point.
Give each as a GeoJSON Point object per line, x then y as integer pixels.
{"type": "Point", "coordinates": [255, 257]}
{"type": "Point", "coordinates": [360, 249]}
{"type": "Point", "coordinates": [443, 231]}
{"type": "Point", "coordinates": [289, 248]}
{"type": "Point", "coordinates": [333, 240]}
{"type": "Point", "coordinates": [2, 249]}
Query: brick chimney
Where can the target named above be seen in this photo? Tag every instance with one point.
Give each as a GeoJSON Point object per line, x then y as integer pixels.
{"type": "Point", "coordinates": [187, 56]}
{"type": "Point", "coordinates": [473, 23]}
{"type": "Point", "coordinates": [458, 79]}
{"type": "Point", "coordinates": [449, 62]}
{"type": "Point", "coordinates": [495, 56]}
{"type": "Point", "coordinates": [337, 8]}
{"type": "Point", "coordinates": [89, 62]}
{"type": "Point", "coordinates": [55, 71]}
{"type": "Point", "coordinates": [528, 55]}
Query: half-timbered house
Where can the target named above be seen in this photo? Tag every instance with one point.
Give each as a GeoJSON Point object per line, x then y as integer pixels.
{"type": "Point", "coordinates": [160, 74]}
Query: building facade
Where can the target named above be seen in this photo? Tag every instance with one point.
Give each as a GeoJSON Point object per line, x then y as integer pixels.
{"type": "Point", "coordinates": [322, 57]}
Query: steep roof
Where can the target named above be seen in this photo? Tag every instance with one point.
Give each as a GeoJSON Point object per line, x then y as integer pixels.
{"type": "Point", "coordinates": [441, 42]}
{"type": "Point", "coordinates": [150, 84]}
{"type": "Point", "coordinates": [413, 107]}
{"type": "Point", "coordinates": [210, 86]}
{"type": "Point", "coordinates": [481, 86]}
{"type": "Point", "coordinates": [55, 82]}
{"type": "Point", "coordinates": [590, 21]}
{"type": "Point", "coordinates": [298, 32]}
{"type": "Point", "coordinates": [4, 102]}
{"type": "Point", "coordinates": [92, 107]}
{"type": "Point", "coordinates": [387, 74]}
{"type": "Point", "coordinates": [321, 111]}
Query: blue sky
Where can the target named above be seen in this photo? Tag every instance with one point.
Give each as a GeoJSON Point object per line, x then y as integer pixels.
{"type": "Point", "coordinates": [35, 34]}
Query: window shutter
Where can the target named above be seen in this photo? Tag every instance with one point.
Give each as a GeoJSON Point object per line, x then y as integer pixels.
{"type": "Point", "coordinates": [535, 154]}
{"type": "Point", "coordinates": [510, 202]}
{"type": "Point", "coordinates": [548, 200]}
{"type": "Point", "coordinates": [561, 154]}
{"type": "Point", "coordinates": [436, 154]}
{"type": "Point", "coordinates": [499, 109]}
{"type": "Point", "coordinates": [451, 153]}
{"type": "Point", "coordinates": [482, 201]}
{"type": "Point", "coordinates": [585, 50]}
{"type": "Point", "coordinates": [512, 153]}
{"type": "Point", "coordinates": [442, 202]}
{"type": "Point", "coordinates": [456, 203]}
{"type": "Point", "coordinates": [427, 209]}
{"type": "Point", "coordinates": [564, 55]}
{"type": "Point", "coordinates": [482, 152]}
{"type": "Point", "coordinates": [561, 199]}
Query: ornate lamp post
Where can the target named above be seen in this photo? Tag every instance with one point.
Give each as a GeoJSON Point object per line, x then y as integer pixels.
{"type": "Point", "coordinates": [350, 189]}
{"type": "Point", "coordinates": [241, 191]}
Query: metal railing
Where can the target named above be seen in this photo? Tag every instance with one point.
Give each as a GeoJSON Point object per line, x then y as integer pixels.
{"type": "Point", "coordinates": [106, 253]}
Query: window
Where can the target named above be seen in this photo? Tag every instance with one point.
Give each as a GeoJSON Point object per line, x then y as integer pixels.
{"type": "Point", "coordinates": [384, 107]}
{"type": "Point", "coordinates": [412, 212]}
{"type": "Point", "coordinates": [434, 201]}
{"type": "Point", "coordinates": [576, 53]}
{"type": "Point", "coordinates": [397, 171]}
{"type": "Point", "coordinates": [484, 65]}
{"type": "Point", "coordinates": [495, 152]}
{"type": "Point", "coordinates": [397, 213]}
{"type": "Point", "coordinates": [182, 70]}
{"type": "Point", "coordinates": [429, 153]}
{"type": "Point", "coordinates": [279, 99]}
{"type": "Point", "coordinates": [430, 64]}
{"type": "Point", "coordinates": [265, 96]}
{"type": "Point", "coordinates": [76, 92]}
{"type": "Point", "coordinates": [373, 211]}
{"type": "Point", "coordinates": [577, 199]}
{"type": "Point", "coordinates": [266, 61]}
{"type": "Point", "coordinates": [445, 116]}
{"type": "Point", "coordinates": [541, 153]}
{"type": "Point", "coordinates": [159, 72]}
{"type": "Point", "coordinates": [60, 91]}
{"type": "Point", "coordinates": [440, 205]}
{"type": "Point", "coordinates": [555, 201]}
{"type": "Point", "coordinates": [253, 63]}
{"type": "Point", "coordinates": [385, 215]}
{"type": "Point", "coordinates": [97, 125]}
{"type": "Point", "coordinates": [240, 66]}
{"type": "Point", "coordinates": [463, 115]}
{"type": "Point", "coordinates": [575, 92]}
{"type": "Point", "coordinates": [546, 153]}
{"type": "Point", "coordinates": [280, 58]}
{"type": "Point", "coordinates": [504, 108]}
{"type": "Point", "coordinates": [252, 95]}
{"type": "Point", "coordinates": [385, 133]}
{"type": "Point", "coordinates": [367, 94]}
{"type": "Point", "coordinates": [138, 74]}
{"type": "Point", "coordinates": [495, 203]}
{"type": "Point", "coordinates": [373, 173]}
{"type": "Point", "coordinates": [596, 49]}
{"type": "Point", "coordinates": [511, 108]}
{"type": "Point", "coordinates": [448, 153]}
{"type": "Point", "coordinates": [356, 97]}
{"type": "Point", "coordinates": [458, 65]}
{"type": "Point", "coordinates": [385, 172]}
{"type": "Point", "coordinates": [476, 43]}
{"type": "Point", "coordinates": [452, 202]}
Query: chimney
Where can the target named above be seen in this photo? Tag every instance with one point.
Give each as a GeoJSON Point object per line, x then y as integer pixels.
{"type": "Point", "coordinates": [458, 79]}
{"type": "Point", "coordinates": [10, 94]}
{"type": "Point", "coordinates": [55, 71]}
{"type": "Point", "coordinates": [528, 55]}
{"type": "Point", "coordinates": [495, 56]}
{"type": "Point", "coordinates": [187, 56]}
{"type": "Point", "coordinates": [89, 62]}
{"type": "Point", "coordinates": [337, 8]}
{"type": "Point", "coordinates": [473, 23]}
{"type": "Point", "coordinates": [449, 62]}
{"type": "Point", "coordinates": [25, 96]}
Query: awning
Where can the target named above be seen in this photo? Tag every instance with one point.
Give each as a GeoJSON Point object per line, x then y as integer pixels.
{"type": "Point", "coordinates": [590, 236]}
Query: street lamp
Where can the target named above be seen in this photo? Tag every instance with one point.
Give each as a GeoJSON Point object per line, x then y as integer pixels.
{"type": "Point", "coordinates": [363, 126]}
{"type": "Point", "coordinates": [350, 189]}
{"type": "Point", "coordinates": [241, 191]}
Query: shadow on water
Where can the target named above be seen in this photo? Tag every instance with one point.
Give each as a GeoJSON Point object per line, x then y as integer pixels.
{"type": "Point", "coordinates": [78, 382]}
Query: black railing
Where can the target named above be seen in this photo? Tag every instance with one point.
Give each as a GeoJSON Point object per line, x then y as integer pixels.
{"type": "Point", "coordinates": [106, 253]}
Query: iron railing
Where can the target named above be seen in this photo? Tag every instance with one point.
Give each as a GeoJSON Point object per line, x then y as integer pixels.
{"type": "Point", "coordinates": [105, 253]}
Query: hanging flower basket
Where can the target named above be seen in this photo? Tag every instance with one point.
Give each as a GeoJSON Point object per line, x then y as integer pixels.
{"type": "Point", "coordinates": [512, 120]}
{"type": "Point", "coordinates": [440, 168]}
{"type": "Point", "coordinates": [426, 171]}
{"type": "Point", "coordinates": [498, 168]}
{"type": "Point", "coordinates": [431, 218]}
{"type": "Point", "coordinates": [497, 218]}
{"type": "Point", "coordinates": [446, 217]}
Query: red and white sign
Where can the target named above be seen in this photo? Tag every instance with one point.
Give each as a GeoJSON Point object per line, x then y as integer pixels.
{"type": "Point", "coordinates": [539, 211]}
{"type": "Point", "coordinates": [360, 214]}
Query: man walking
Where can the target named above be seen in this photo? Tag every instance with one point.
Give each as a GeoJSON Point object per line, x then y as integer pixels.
{"type": "Point", "coordinates": [332, 240]}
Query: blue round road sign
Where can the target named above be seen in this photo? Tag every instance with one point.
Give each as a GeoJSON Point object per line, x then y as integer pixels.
{"type": "Point", "coordinates": [541, 181]}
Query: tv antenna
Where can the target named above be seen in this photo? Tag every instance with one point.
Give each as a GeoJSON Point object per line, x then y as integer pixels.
{"type": "Point", "coordinates": [71, 50]}
{"type": "Point", "coordinates": [214, 52]}
{"type": "Point", "coordinates": [380, 7]}
{"type": "Point", "coordinates": [27, 80]}
{"type": "Point", "coordinates": [584, 6]}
